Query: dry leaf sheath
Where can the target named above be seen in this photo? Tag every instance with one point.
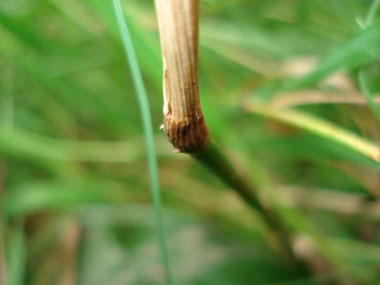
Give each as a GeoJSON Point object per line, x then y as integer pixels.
{"type": "Point", "coordinates": [183, 119]}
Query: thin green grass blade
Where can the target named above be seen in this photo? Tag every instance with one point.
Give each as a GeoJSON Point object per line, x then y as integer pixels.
{"type": "Point", "coordinates": [148, 130]}
{"type": "Point", "coordinates": [150, 59]}
{"type": "Point", "coordinates": [357, 51]}
{"type": "Point", "coordinates": [320, 127]}
{"type": "Point", "coordinates": [354, 53]}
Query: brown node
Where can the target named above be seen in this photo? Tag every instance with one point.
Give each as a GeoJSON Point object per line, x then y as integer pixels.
{"type": "Point", "coordinates": [187, 136]}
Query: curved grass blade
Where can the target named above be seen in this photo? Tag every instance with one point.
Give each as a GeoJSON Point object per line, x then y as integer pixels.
{"type": "Point", "coordinates": [148, 130]}
{"type": "Point", "coordinates": [319, 127]}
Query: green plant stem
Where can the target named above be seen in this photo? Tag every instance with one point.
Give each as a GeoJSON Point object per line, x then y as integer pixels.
{"type": "Point", "coordinates": [148, 130]}
{"type": "Point", "coordinates": [217, 162]}
{"type": "Point", "coordinates": [319, 127]}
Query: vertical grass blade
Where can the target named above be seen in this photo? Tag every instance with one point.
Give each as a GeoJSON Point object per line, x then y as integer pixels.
{"type": "Point", "coordinates": [148, 130]}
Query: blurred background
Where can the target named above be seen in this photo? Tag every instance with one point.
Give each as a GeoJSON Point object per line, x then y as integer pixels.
{"type": "Point", "coordinates": [289, 90]}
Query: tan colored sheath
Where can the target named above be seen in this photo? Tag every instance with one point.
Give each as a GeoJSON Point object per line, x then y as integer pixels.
{"type": "Point", "coordinates": [183, 119]}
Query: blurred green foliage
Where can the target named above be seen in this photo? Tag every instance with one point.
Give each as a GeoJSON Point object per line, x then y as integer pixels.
{"type": "Point", "coordinates": [73, 176]}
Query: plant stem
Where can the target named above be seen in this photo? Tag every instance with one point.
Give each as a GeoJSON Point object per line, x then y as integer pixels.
{"type": "Point", "coordinates": [213, 158]}
{"type": "Point", "coordinates": [148, 130]}
{"type": "Point", "coordinates": [183, 118]}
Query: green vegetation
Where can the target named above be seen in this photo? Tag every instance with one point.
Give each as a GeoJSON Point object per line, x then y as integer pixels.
{"type": "Point", "coordinates": [148, 131]}
{"type": "Point", "coordinates": [288, 88]}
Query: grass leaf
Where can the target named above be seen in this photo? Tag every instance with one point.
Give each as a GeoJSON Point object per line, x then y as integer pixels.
{"type": "Point", "coordinates": [148, 130]}
{"type": "Point", "coordinates": [321, 128]}
{"type": "Point", "coordinates": [359, 50]}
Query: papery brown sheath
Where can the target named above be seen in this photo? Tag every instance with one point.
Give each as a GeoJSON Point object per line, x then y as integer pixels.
{"type": "Point", "coordinates": [183, 119]}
